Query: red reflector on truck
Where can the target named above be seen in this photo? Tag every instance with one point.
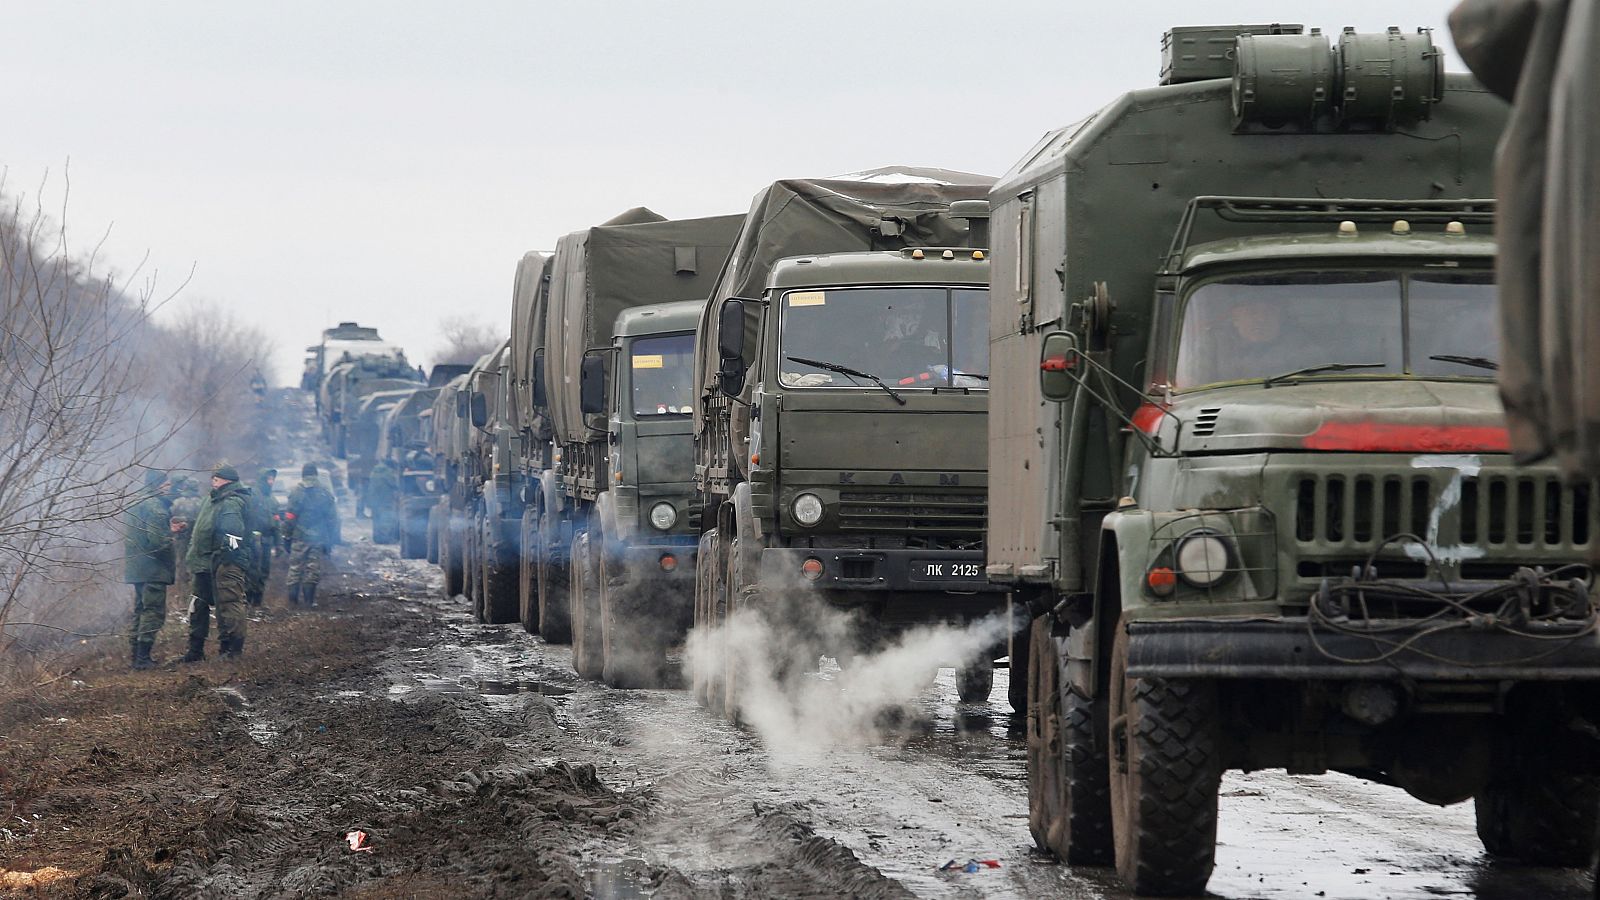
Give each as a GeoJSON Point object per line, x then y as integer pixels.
{"type": "Point", "coordinates": [1057, 363]}
{"type": "Point", "coordinates": [669, 563]}
{"type": "Point", "coordinates": [1388, 437]}
{"type": "Point", "coordinates": [1147, 418]}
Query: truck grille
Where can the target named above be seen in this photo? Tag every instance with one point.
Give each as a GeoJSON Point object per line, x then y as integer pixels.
{"type": "Point", "coordinates": [1493, 510]}
{"type": "Point", "coordinates": [953, 514]}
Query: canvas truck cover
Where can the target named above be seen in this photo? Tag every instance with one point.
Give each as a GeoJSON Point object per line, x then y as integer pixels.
{"type": "Point", "coordinates": [528, 293]}
{"type": "Point", "coordinates": [1545, 57]}
{"type": "Point", "coordinates": [880, 209]}
{"type": "Point", "coordinates": [599, 272]}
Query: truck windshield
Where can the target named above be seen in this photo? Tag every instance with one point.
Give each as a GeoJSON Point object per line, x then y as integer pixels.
{"type": "Point", "coordinates": [1421, 324]}
{"type": "Point", "coordinates": [662, 369]}
{"type": "Point", "coordinates": [909, 337]}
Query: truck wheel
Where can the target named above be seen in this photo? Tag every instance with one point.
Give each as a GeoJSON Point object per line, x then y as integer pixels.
{"type": "Point", "coordinates": [586, 659]}
{"type": "Point", "coordinates": [633, 642]}
{"type": "Point", "coordinates": [1543, 814]}
{"type": "Point", "coordinates": [1069, 791]}
{"type": "Point", "coordinates": [1164, 779]}
{"type": "Point", "coordinates": [1019, 650]}
{"type": "Point", "coordinates": [734, 598]}
{"type": "Point", "coordinates": [470, 569]}
{"type": "Point", "coordinates": [704, 628]}
{"type": "Point", "coordinates": [433, 537]}
{"type": "Point", "coordinates": [414, 535]}
{"type": "Point", "coordinates": [555, 625]}
{"type": "Point", "coordinates": [500, 595]}
{"type": "Point", "coordinates": [975, 680]}
{"type": "Point", "coordinates": [450, 557]}
{"type": "Point", "coordinates": [527, 573]}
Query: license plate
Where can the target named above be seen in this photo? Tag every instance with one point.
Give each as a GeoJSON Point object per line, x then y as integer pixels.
{"type": "Point", "coordinates": [944, 568]}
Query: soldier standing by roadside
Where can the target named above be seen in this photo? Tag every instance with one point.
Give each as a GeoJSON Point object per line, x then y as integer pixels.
{"type": "Point", "coordinates": [148, 564]}
{"type": "Point", "coordinates": [382, 485]}
{"type": "Point", "coordinates": [311, 527]}
{"type": "Point", "coordinates": [185, 506]}
{"type": "Point", "coordinates": [219, 557]}
{"type": "Point", "coordinates": [263, 533]}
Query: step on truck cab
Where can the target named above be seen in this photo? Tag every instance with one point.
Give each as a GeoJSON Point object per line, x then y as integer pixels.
{"type": "Point", "coordinates": [841, 380]}
{"type": "Point", "coordinates": [1253, 464]}
{"type": "Point", "coordinates": [586, 586]}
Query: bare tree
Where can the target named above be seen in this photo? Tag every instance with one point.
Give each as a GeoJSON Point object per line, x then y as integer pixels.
{"type": "Point", "coordinates": [200, 364]}
{"type": "Point", "coordinates": [74, 432]}
{"type": "Point", "coordinates": [464, 339]}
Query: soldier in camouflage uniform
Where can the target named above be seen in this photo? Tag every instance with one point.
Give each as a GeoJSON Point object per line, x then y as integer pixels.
{"type": "Point", "coordinates": [220, 558]}
{"type": "Point", "coordinates": [383, 485]}
{"type": "Point", "coordinates": [185, 506]}
{"type": "Point", "coordinates": [263, 532]}
{"type": "Point", "coordinates": [148, 563]}
{"type": "Point", "coordinates": [311, 528]}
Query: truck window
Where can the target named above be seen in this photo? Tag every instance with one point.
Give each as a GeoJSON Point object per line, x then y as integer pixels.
{"type": "Point", "coordinates": [661, 370]}
{"type": "Point", "coordinates": [1250, 328]}
{"type": "Point", "coordinates": [909, 336]}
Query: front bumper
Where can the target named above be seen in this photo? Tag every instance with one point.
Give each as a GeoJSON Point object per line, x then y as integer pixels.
{"type": "Point", "coordinates": [1290, 649]}
{"type": "Point", "coordinates": [645, 561]}
{"type": "Point", "coordinates": [960, 571]}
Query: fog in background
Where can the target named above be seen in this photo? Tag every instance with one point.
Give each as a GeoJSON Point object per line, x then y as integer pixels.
{"type": "Point", "coordinates": [389, 162]}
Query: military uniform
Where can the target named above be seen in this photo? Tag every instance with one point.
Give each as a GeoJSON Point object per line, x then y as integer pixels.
{"type": "Point", "coordinates": [220, 558]}
{"type": "Point", "coordinates": [311, 528]}
{"type": "Point", "coordinates": [264, 535]}
{"type": "Point", "coordinates": [383, 485]}
{"type": "Point", "coordinates": [185, 507]}
{"type": "Point", "coordinates": [148, 563]}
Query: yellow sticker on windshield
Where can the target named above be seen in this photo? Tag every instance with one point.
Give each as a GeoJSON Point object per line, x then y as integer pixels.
{"type": "Point", "coordinates": [648, 361]}
{"type": "Point", "coordinates": [808, 298]}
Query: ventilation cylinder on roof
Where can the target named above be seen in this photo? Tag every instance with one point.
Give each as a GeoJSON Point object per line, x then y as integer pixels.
{"type": "Point", "coordinates": [1366, 82]}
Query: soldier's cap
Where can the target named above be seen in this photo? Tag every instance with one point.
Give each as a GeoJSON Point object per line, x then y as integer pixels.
{"type": "Point", "coordinates": [308, 469]}
{"type": "Point", "coordinates": [226, 473]}
{"type": "Point", "coordinates": [269, 473]}
{"type": "Point", "coordinates": [155, 477]}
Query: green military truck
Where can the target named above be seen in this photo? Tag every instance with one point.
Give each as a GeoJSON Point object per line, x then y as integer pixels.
{"type": "Point", "coordinates": [841, 388]}
{"type": "Point", "coordinates": [364, 438]}
{"type": "Point", "coordinates": [447, 522]}
{"type": "Point", "coordinates": [350, 382]}
{"type": "Point", "coordinates": [476, 405]}
{"type": "Point", "coordinates": [404, 442]}
{"type": "Point", "coordinates": [635, 260]}
{"type": "Point", "coordinates": [496, 508]}
{"type": "Point", "coordinates": [1252, 465]}
{"type": "Point", "coordinates": [530, 294]}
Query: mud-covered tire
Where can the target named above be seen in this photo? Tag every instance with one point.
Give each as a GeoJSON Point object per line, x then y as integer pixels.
{"type": "Point", "coordinates": [733, 662]}
{"type": "Point", "coordinates": [585, 617]}
{"type": "Point", "coordinates": [528, 574]}
{"type": "Point", "coordinates": [704, 628]}
{"type": "Point", "coordinates": [450, 559]}
{"type": "Point", "coordinates": [1069, 791]}
{"type": "Point", "coordinates": [1165, 774]}
{"type": "Point", "coordinates": [555, 625]}
{"type": "Point", "coordinates": [1543, 815]}
{"type": "Point", "coordinates": [433, 538]}
{"type": "Point", "coordinates": [472, 570]}
{"type": "Point", "coordinates": [975, 681]}
{"type": "Point", "coordinates": [633, 643]}
{"type": "Point", "coordinates": [499, 576]}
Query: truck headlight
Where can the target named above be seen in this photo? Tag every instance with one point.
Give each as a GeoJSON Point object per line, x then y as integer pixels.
{"type": "Point", "coordinates": [1204, 559]}
{"type": "Point", "coordinates": [807, 509]}
{"type": "Point", "coordinates": [663, 516]}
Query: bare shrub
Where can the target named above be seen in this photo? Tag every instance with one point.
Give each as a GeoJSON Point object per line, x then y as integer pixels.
{"type": "Point", "coordinates": [464, 339]}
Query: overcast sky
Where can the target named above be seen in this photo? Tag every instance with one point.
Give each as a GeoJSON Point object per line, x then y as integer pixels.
{"type": "Point", "coordinates": [390, 161]}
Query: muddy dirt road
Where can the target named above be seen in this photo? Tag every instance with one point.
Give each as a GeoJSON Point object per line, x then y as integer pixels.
{"type": "Point", "coordinates": [478, 764]}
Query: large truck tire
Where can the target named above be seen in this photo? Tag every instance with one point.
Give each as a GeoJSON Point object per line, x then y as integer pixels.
{"type": "Point", "coordinates": [555, 624]}
{"type": "Point", "coordinates": [433, 537]}
{"type": "Point", "coordinates": [639, 621]}
{"type": "Point", "coordinates": [501, 598]}
{"type": "Point", "coordinates": [472, 568]}
{"type": "Point", "coordinates": [1069, 789]}
{"type": "Point", "coordinates": [975, 680]}
{"type": "Point", "coordinates": [528, 572]}
{"type": "Point", "coordinates": [586, 653]}
{"type": "Point", "coordinates": [1165, 774]}
{"type": "Point", "coordinates": [450, 557]}
{"type": "Point", "coordinates": [703, 629]}
{"type": "Point", "coordinates": [1541, 813]}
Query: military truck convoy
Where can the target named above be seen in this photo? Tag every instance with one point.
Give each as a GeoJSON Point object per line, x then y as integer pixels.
{"type": "Point", "coordinates": [1194, 409]}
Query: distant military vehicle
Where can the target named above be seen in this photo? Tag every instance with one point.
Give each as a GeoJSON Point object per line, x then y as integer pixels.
{"type": "Point", "coordinates": [1253, 469]}
{"type": "Point", "coordinates": [841, 388]}
{"type": "Point", "coordinates": [345, 341]}
{"type": "Point", "coordinates": [364, 436]}
{"type": "Point", "coordinates": [526, 381]}
{"type": "Point", "coordinates": [591, 538]}
{"type": "Point", "coordinates": [349, 382]}
{"type": "Point", "coordinates": [406, 431]}
{"type": "Point", "coordinates": [491, 563]}
{"type": "Point", "coordinates": [447, 521]}
{"type": "Point", "coordinates": [441, 373]}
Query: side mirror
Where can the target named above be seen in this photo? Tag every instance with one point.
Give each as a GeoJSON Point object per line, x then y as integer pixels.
{"type": "Point", "coordinates": [539, 398]}
{"type": "Point", "coordinates": [730, 377]}
{"type": "Point", "coordinates": [730, 329]}
{"type": "Point", "coordinates": [480, 409]}
{"type": "Point", "coordinates": [1058, 366]}
{"type": "Point", "coordinates": [592, 383]}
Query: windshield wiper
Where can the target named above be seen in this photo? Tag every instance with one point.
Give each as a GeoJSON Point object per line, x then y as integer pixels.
{"type": "Point", "coordinates": [1325, 367]}
{"type": "Point", "coordinates": [849, 373]}
{"type": "Point", "coordinates": [1477, 362]}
